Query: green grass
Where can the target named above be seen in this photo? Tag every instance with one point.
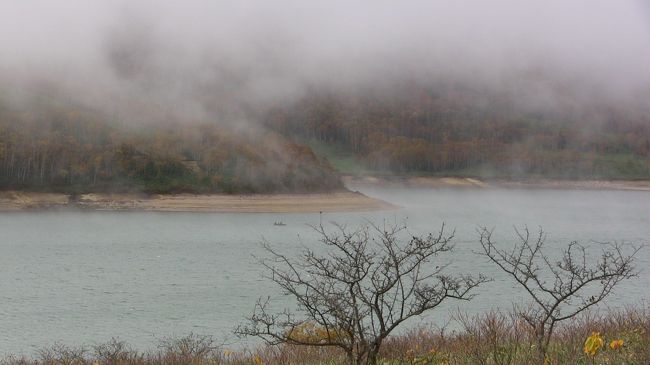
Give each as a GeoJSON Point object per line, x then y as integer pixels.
{"type": "Point", "coordinates": [344, 160]}
{"type": "Point", "coordinates": [613, 166]}
{"type": "Point", "coordinates": [623, 166]}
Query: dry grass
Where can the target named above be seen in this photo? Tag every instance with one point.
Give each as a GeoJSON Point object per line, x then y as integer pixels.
{"type": "Point", "coordinates": [493, 338]}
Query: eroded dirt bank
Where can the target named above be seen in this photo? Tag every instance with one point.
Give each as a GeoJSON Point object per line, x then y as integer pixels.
{"type": "Point", "coordinates": [285, 203]}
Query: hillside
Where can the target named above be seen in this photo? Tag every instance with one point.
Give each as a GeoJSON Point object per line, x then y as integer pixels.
{"type": "Point", "coordinates": [52, 144]}
{"type": "Point", "coordinates": [457, 131]}
{"type": "Point", "coordinates": [65, 148]}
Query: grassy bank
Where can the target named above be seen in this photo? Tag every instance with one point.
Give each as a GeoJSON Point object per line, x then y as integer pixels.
{"type": "Point", "coordinates": [587, 166]}
{"type": "Point", "coordinates": [493, 338]}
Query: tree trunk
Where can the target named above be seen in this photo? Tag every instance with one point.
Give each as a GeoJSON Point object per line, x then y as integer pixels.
{"type": "Point", "coordinates": [350, 357]}
{"type": "Point", "coordinates": [372, 358]}
{"type": "Point", "coordinates": [541, 350]}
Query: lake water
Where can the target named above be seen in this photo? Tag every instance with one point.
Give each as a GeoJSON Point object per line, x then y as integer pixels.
{"type": "Point", "coordinates": [84, 277]}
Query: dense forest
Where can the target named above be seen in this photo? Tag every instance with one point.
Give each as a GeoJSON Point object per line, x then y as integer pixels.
{"type": "Point", "coordinates": [72, 149]}
{"type": "Point", "coordinates": [297, 145]}
{"type": "Point", "coordinates": [456, 130]}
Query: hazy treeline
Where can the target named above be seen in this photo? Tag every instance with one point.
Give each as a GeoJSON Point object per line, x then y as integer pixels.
{"type": "Point", "coordinates": [453, 128]}
{"type": "Point", "coordinates": [63, 148]}
{"type": "Point", "coordinates": [440, 128]}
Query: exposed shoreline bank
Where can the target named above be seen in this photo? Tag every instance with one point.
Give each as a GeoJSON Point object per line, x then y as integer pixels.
{"type": "Point", "coordinates": [344, 201]}
{"type": "Point", "coordinates": [459, 182]}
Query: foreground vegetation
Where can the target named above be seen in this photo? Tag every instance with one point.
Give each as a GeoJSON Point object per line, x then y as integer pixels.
{"type": "Point", "coordinates": [373, 279]}
{"type": "Point", "coordinates": [493, 338]}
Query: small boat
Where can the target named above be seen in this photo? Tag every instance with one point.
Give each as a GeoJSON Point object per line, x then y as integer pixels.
{"type": "Point", "coordinates": [279, 223]}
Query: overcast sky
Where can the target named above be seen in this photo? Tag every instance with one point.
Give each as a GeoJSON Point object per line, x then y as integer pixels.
{"type": "Point", "coordinates": [269, 49]}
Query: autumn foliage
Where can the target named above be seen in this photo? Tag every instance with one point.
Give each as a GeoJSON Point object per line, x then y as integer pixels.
{"type": "Point", "coordinates": [76, 150]}
{"type": "Point", "coordinates": [454, 129]}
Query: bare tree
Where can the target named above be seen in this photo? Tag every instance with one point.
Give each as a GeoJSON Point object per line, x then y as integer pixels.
{"type": "Point", "coordinates": [357, 290]}
{"type": "Point", "coordinates": [560, 288]}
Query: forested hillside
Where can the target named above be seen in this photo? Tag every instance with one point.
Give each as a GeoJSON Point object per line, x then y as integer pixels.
{"type": "Point", "coordinates": [72, 149]}
{"type": "Point", "coordinates": [455, 130]}
{"type": "Point", "coordinates": [409, 129]}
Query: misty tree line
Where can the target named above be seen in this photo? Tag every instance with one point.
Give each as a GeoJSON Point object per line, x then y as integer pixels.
{"type": "Point", "coordinates": [76, 150]}
{"type": "Point", "coordinates": [412, 128]}
{"type": "Point", "coordinates": [449, 129]}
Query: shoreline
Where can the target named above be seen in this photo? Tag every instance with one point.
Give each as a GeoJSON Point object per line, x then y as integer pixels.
{"type": "Point", "coordinates": [339, 201]}
{"type": "Point", "coordinates": [344, 201]}
{"type": "Point", "coordinates": [473, 183]}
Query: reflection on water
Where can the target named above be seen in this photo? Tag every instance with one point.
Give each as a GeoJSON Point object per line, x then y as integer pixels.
{"type": "Point", "coordinates": [84, 277]}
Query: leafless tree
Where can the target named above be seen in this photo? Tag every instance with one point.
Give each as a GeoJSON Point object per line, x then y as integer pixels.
{"type": "Point", "coordinates": [561, 287]}
{"type": "Point", "coordinates": [357, 290]}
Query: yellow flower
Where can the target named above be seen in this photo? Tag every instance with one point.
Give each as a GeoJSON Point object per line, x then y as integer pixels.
{"type": "Point", "coordinates": [616, 344]}
{"type": "Point", "coordinates": [593, 344]}
{"type": "Point", "coordinates": [257, 360]}
{"type": "Point", "coordinates": [96, 363]}
{"type": "Point", "coordinates": [310, 332]}
{"type": "Point", "coordinates": [227, 352]}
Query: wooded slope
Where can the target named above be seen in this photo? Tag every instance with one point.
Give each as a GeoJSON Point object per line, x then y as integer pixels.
{"type": "Point", "coordinates": [455, 130]}
{"type": "Point", "coordinates": [71, 149]}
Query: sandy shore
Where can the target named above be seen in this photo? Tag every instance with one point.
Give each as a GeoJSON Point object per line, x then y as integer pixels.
{"type": "Point", "coordinates": [639, 185]}
{"type": "Point", "coordinates": [456, 182]}
{"type": "Point", "coordinates": [353, 182]}
{"type": "Point", "coordinates": [346, 201]}
{"type": "Point", "coordinates": [280, 203]}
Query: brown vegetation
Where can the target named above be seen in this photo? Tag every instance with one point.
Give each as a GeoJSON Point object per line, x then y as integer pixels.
{"type": "Point", "coordinates": [451, 128]}
{"type": "Point", "coordinates": [370, 281]}
{"type": "Point", "coordinates": [560, 286]}
{"type": "Point", "coordinates": [490, 339]}
{"type": "Point", "coordinates": [352, 297]}
{"type": "Point", "coordinates": [72, 149]}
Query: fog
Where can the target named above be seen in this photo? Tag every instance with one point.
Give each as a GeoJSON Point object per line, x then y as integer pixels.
{"type": "Point", "coordinates": [200, 59]}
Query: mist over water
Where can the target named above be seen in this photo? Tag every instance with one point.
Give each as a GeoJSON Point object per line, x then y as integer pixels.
{"type": "Point", "coordinates": [84, 277]}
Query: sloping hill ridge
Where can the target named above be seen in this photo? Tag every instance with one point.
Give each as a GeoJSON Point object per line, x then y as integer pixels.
{"type": "Point", "coordinates": [76, 150]}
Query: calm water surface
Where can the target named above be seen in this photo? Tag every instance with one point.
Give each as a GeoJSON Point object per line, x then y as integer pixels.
{"type": "Point", "coordinates": [84, 277]}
